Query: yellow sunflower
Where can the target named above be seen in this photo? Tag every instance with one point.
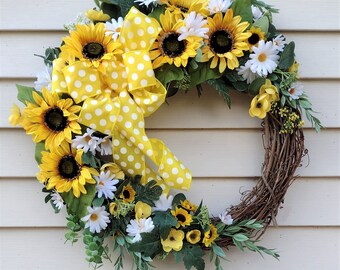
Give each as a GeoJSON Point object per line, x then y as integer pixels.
{"type": "Point", "coordinates": [186, 6]}
{"type": "Point", "coordinates": [182, 216]}
{"type": "Point", "coordinates": [226, 41]}
{"type": "Point", "coordinates": [128, 194]}
{"type": "Point", "coordinates": [51, 119]}
{"type": "Point", "coordinates": [256, 36]}
{"type": "Point", "coordinates": [167, 48]}
{"type": "Point", "coordinates": [89, 43]}
{"type": "Point", "coordinates": [63, 169]}
{"type": "Point", "coordinates": [210, 236]}
{"type": "Point", "coordinates": [187, 205]}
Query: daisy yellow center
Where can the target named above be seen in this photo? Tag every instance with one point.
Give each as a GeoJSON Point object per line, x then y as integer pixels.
{"type": "Point", "coordinates": [101, 183]}
{"type": "Point", "coordinates": [171, 46]}
{"type": "Point", "coordinates": [69, 168]}
{"type": "Point", "coordinates": [254, 39]}
{"type": "Point", "coordinates": [292, 91]}
{"type": "Point", "coordinates": [221, 41]}
{"type": "Point", "coordinates": [262, 57]}
{"type": "Point", "coordinates": [93, 50]}
{"type": "Point", "coordinates": [94, 217]}
{"type": "Point", "coordinates": [55, 120]}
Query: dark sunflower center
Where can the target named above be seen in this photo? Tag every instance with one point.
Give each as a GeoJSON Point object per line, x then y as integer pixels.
{"type": "Point", "coordinates": [254, 39]}
{"type": "Point", "coordinates": [193, 236]}
{"type": "Point", "coordinates": [126, 194]}
{"type": "Point", "coordinates": [183, 9]}
{"type": "Point", "coordinates": [55, 120]}
{"type": "Point", "coordinates": [221, 41]}
{"type": "Point", "coordinates": [172, 47]}
{"type": "Point", "coordinates": [69, 167]}
{"type": "Point", "coordinates": [93, 50]}
{"type": "Point", "coordinates": [181, 218]}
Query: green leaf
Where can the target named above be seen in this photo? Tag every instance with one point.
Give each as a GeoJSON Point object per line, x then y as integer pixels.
{"type": "Point", "coordinates": [243, 9]}
{"type": "Point", "coordinates": [240, 237]}
{"type": "Point", "coordinates": [149, 246]}
{"type": "Point", "coordinates": [98, 201]}
{"type": "Point", "coordinates": [263, 24]}
{"type": "Point", "coordinates": [192, 257]}
{"type": "Point", "coordinates": [39, 148]}
{"type": "Point", "coordinates": [305, 103]}
{"type": "Point", "coordinates": [164, 220]}
{"type": "Point", "coordinates": [254, 87]}
{"type": "Point", "coordinates": [240, 86]}
{"type": "Point", "coordinates": [287, 56]}
{"type": "Point", "coordinates": [78, 206]}
{"type": "Point", "coordinates": [168, 73]}
{"type": "Point", "coordinates": [179, 197]}
{"type": "Point", "coordinates": [125, 6]}
{"type": "Point", "coordinates": [203, 73]}
{"type": "Point", "coordinates": [222, 89]}
{"type": "Point", "coordinates": [218, 251]}
{"type": "Point", "coordinates": [156, 13]}
{"type": "Point", "coordinates": [25, 94]}
{"type": "Point", "coordinates": [148, 193]}
{"type": "Point", "coordinates": [112, 9]}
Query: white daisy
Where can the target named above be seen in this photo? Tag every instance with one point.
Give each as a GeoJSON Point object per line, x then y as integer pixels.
{"type": "Point", "coordinates": [295, 90]}
{"type": "Point", "coordinates": [136, 227]}
{"type": "Point", "coordinates": [106, 184]}
{"type": "Point", "coordinates": [225, 218]}
{"type": "Point", "coordinates": [57, 200]}
{"type": "Point", "coordinates": [280, 42]}
{"type": "Point", "coordinates": [264, 58]}
{"type": "Point", "coordinates": [80, 19]}
{"type": "Point", "coordinates": [193, 27]}
{"type": "Point", "coordinates": [246, 73]}
{"type": "Point", "coordinates": [113, 28]}
{"type": "Point", "coordinates": [257, 13]}
{"type": "Point", "coordinates": [44, 79]}
{"type": "Point", "coordinates": [105, 146]}
{"type": "Point", "coordinates": [215, 6]}
{"type": "Point", "coordinates": [97, 219]}
{"type": "Point", "coordinates": [148, 2]}
{"type": "Point", "coordinates": [164, 203]}
{"type": "Point", "coordinates": [87, 142]}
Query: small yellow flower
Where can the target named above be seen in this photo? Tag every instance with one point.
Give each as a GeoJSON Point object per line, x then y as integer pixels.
{"type": "Point", "coordinates": [294, 69]}
{"type": "Point", "coordinates": [113, 208]}
{"type": "Point", "coordinates": [210, 236]}
{"type": "Point", "coordinates": [193, 237]}
{"type": "Point", "coordinates": [260, 105]}
{"type": "Point", "coordinates": [174, 241]}
{"type": "Point", "coordinates": [182, 216]}
{"type": "Point", "coordinates": [128, 194]}
{"type": "Point", "coordinates": [256, 36]}
{"type": "Point", "coordinates": [188, 205]}
{"type": "Point", "coordinates": [15, 117]}
{"type": "Point", "coordinates": [271, 90]}
{"type": "Point", "coordinates": [97, 16]}
{"type": "Point", "coordinates": [142, 210]}
{"type": "Point", "coordinates": [114, 169]}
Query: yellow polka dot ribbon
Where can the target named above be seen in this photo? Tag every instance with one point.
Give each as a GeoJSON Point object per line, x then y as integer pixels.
{"type": "Point", "coordinates": [115, 103]}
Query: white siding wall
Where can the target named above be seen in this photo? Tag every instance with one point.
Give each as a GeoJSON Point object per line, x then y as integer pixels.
{"type": "Point", "coordinates": [222, 147]}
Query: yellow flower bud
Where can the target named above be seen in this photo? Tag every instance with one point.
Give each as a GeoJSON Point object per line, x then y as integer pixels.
{"type": "Point", "coordinates": [97, 16]}
{"type": "Point", "coordinates": [114, 169]}
{"type": "Point", "coordinates": [271, 90]}
{"type": "Point", "coordinates": [142, 210]}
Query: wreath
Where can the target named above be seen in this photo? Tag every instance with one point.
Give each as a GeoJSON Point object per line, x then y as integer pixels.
{"type": "Point", "coordinates": [117, 66]}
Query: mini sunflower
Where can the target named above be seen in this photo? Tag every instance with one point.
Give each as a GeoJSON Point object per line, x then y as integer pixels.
{"type": "Point", "coordinates": [113, 209]}
{"type": "Point", "coordinates": [193, 236]}
{"type": "Point", "coordinates": [226, 41]}
{"type": "Point", "coordinates": [256, 36]}
{"type": "Point", "coordinates": [63, 169]}
{"type": "Point", "coordinates": [168, 48]}
{"type": "Point", "coordinates": [51, 119]}
{"type": "Point", "coordinates": [187, 6]}
{"type": "Point", "coordinates": [210, 236]}
{"type": "Point", "coordinates": [89, 43]}
{"type": "Point", "coordinates": [128, 194]}
{"type": "Point", "coordinates": [182, 216]}
{"type": "Point", "coordinates": [187, 205]}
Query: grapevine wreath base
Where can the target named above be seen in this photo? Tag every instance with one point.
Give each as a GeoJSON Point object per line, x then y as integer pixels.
{"type": "Point", "coordinates": [86, 115]}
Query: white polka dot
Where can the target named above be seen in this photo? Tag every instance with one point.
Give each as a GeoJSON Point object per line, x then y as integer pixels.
{"type": "Point", "coordinates": [93, 78]}
{"type": "Point", "coordinates": [126, 109]}
{"type": "Point", "coordinates": [137, 20]}
{"type": "Point", "coordinates": [102, 122]}
{"type": "Point", "coordinates": [144, 83]}
{"type": "Point", "coordinates": [151, 109]}
{"type": "Point", "coordinates": [88, 116]}
{"type": "Point", "coordinates": [182, 166]}
{"type": "Point", "coordinates": [77, 83]}
{"type": "Point", "coordinates": [131, 60]}
{"type": "Point", "coordinates": [138, 166]}
{"type": "Point", "coordinates": [134, 11]}
{"type": "Point", "coordinates": [134, 45]}
{"type": "Point", "coordinates": [129, 143]}
{"type": "Point", "coordinates": [124, 74]}
{"type": "Point", "coordinates": [122, 94]}
{"type": "Point", "coordinates": [170, 161]}
{"type": "Point", "coordinates": [165, 175]}
{"type": "Point", "coordinates": [98, 91]}
{"type": "Point", "coordinates": [113, 118]}
{"type": "Point", "coordinates": [146, 57]}
{"type": "Point", "coordinates": [88, 88]}
{"type": "Point", "coordinates": [134, 116]}
{"type": "Point", "coordinates": [137, 100]}
{"type": "Point", "coordinates": [141, 124]}
{"type": "Point", "coordinates": [116, 157]}
{"type": "Point", "coordinates": [63, 84]}
{"type": "Point", "coordinates": [130, 171]}
{"type": "Point", "coordinates": [170, 184]}
{"type": "Point", "coordinates": [134, 76]}
{"type": "Point", "coordinates": [93, 126]}
{"type": "Point", "coordinates": [114, 75]}
{"type": "Point", "coordinates": [132, 139]}
{"type": "Point", "coordinates": [179, 180]}
{"type": "Point", "coordinates": [108, 107]}
{"type": "Point", "coordinates": [94, 102]}
{"type": "Point", "coordinates": [150, 73]}
{"type": "Point", "coordinates": [124, 133]}
{"type": "Point", "coordinates": [123, 164]}
{"type": "Point", "coordinates": [140, 66]}
{"type": "Point", "coordinates": [74, 94]}
{"type": "Point", "coordinates": [128, 124]}
{"type": "Point", "coordinates": [143, 44]}
{"type": "Point", "coordinates": [108, 132]}
{"type": "Point", "coordinates": [123, 150]}
{"type": "Point", "coordinates": [68, 79]}
{"type": "Point", "coordinates": [137, 151]}
{"type": "Point", "coordinates": [147, 20]}
{"type": "Point", "coordinates": [130, 35]}
{"type": "Point", "coordinates": [81, 73]}
{"type": "Point", "coordinates": [98, 112]}
{"type": "Point", "coordinates": [71, 69]}
{"type": "Point", "coordinates": [145, 139]}
{"type": "Point", "coordinates": [174, 171]}
{"type": "Point", "coordinates": [120, 118]}
{"type": "Point", "coordinates": [154, 98]}
{"type": "Point", "coordinates": [140, 32]}
{"type": "Point", "coordinates": [131, 158]}
{"type": "Point", "coordinates": [55, 77]}
{"type": "Point", "coordinates": [122, 39]}
{"type": "Point", "coordinates": [114, 86]}
{"type": "Point", "coordinates": [149, 152]}
{"type": "Point", "coordinates": [136, 131]}
{"type": "Point", "coordinates": [117, 105]}
{"type": "Point", "coordinates": [187, 175]}
{"type": "Point", "coordinates": [140, 146]}
{"type": "Point", "coordinates": [115, 142]}
{"type": "Point", "coordinates": [146, 101]}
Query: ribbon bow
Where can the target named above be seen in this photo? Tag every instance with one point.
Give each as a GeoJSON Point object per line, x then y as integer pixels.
{"type": "Point", "coordinates": [116, 102]}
